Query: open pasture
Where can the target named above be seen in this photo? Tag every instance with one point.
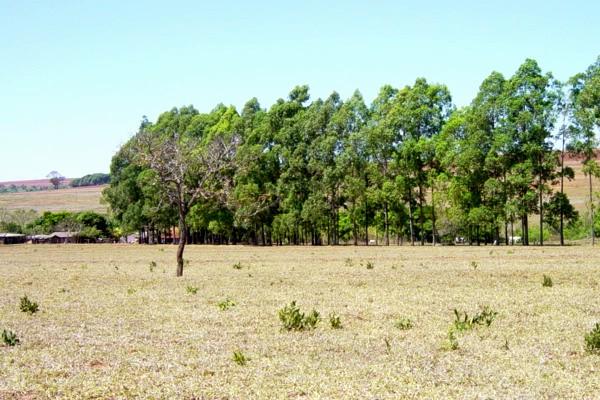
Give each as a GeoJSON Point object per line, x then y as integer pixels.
{"type": "Point", "coordinates": [114, 322]}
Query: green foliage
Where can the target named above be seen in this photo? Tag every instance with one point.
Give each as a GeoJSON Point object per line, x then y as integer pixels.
{"type": "Point", "coordinates": [239, 358]}
{"type": "Point", "coordinates": [335, 321]}
{"type": "Point", "coordinates": [474, 265]}
{"type": "Point", "coordinates": [9, 338]}
{"type": "Point", "coordinates": [592, 340]}
{"type": "Point", "coordinates": [462, 321]}
{"type": "Point", "coordinates": [152, 266]}
{"type": "Point", "coordinates": [293, 320]}
{"type": "Point", "coordinates": [131, 291]}
{"type": "Point", "coordinates": [226, 304]}
{"type": "Point", "coordinates": [238, 265]}
{"type": "Point", "coordinates": [191, 289]}
{"type": "Point", "coordinates": [403, 323]}
{"type": "Point", "coordinates": [28, 306]}
{"type": "Point", "coordinates": [451, 341]}
{"type": "Point", "coordinates": [91, 180]}
{"type": "Point", "coordinates": [547, 281]}
{"type": "Point", "coordinates": [370, 265]}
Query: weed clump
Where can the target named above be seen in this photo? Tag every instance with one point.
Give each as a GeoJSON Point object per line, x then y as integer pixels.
{"type": "Point", "coordinates": [293, 320]}
{"type": "Point", "coordinates": [9, 338]}
{"type": "Point", "coordinates": [239, 358]}
{"type": "Point", "coordinates": [152, 266]}
{"type": "Point", "coordinates": [462, 321]}
{"type": "Point", "coordinates": [28, 306]}
{"type": "Point", "coordinates": [238, 265]}
{"type": "Point", "coordinates": [547, 281]}
{"type": "Point", "coordinates": [226, 304]}
{"type": "Point", "coordinates": [370, 265]}
{"type": "Point", "coordinates": [191, 289]}
{"type": "Point", "coordinates": [334, 321]}
{"type": "Point", "coordinates": [592, 340]}
{"type": "Point", "coordinates": [403, 324]}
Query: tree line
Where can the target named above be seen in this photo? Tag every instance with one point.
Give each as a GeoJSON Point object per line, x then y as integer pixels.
{"type": "Point", "coordinates": [408, 167]}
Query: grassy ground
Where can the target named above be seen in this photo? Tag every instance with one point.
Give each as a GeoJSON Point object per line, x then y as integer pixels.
{"type": "Point", "coordinates": [73, 199]}
{"type": "Point", "coordinates": [109, 327]}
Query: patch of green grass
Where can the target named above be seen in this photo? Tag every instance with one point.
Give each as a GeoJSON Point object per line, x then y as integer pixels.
{"type": "Point", "coordinates": [335, 321]}
{"type": "Point", "coordinates": [238, 265]}
{"type": "Point", "coordinates": [293, 320]}
{"type": "Point", "coordinates": [10, 338]}
{"type": "Point", "coordinates": [403, 323]}
{"type": "Point", "coordinates": [240, 358]}
{"type": "Point", "coordinates": [547, 281]}
{"type": "Point", "coordinates": [226, 304]}
{"type": "Point", "coordinates": [28, 306]}
{"type": "Point", "coordinates": [191, 289]}
{"type": "Point", "coordinates": [592, 340]}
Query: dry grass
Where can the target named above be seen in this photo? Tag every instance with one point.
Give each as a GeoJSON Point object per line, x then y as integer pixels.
{"type": "Point", "coordinates": [73, 199]}
{"type": "Point", "coordinates": [110, 328]}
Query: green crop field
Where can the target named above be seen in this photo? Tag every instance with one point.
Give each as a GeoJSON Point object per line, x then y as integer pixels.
{"type": "Point", "coordinates": [114, 323]}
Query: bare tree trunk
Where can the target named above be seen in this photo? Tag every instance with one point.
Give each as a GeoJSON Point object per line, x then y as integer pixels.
{"type": "Point", "coordinates": [541, 218]}
{"type": "Point", "coordinates": [411, 219]}
{"type": "Point", "coordinates": [421, 216]}
{"type": "Point", "coordinates": [562, 179]}
{"type": "Point", "coordinates": [182, 240]}
{"type": "Point", "coordinates": [387, 227]}
{"type": "Point", "coordinates": [433, 214]}
{"type": "Point", "coordinates": [592, 210]}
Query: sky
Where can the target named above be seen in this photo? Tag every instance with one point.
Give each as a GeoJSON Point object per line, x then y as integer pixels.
{"type": "Point", "coordinates": [76, 77]}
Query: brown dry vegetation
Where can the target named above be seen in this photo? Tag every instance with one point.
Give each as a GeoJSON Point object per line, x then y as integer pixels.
{"type": "Point", "coordinates": [73, 199]}
{"type": "Point", "coordinates": [108, 327]}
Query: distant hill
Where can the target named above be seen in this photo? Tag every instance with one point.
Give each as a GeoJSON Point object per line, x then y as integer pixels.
{"type": "Point", "coordinates": [35, 182]}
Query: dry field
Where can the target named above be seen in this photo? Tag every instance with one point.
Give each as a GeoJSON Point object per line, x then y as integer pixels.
{"type": "Point", "coordinates": [109, 327]}
{"type": "Point", "coordinates": [72, 199]}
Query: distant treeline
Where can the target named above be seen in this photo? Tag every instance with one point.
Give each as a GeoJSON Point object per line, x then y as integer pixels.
{"type": "Point", "coordinates": [408, 167]}
{"type": "Point", "coordinates": [87, 180]}
{"type": "Point", "coordinates": [91, 180]}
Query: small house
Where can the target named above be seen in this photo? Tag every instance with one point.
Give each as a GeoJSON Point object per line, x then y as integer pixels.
{"type": "Point", "coordinates": [56, 237]}
{"type": "Point", "coordinates": [12, 238]}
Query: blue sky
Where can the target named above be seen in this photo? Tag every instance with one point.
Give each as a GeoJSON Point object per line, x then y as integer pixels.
{"type": "Point", "coordinates": [77, 76]}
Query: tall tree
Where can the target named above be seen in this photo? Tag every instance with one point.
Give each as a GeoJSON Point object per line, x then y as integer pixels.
{"type": "Point", "coordinates": [585, 103]}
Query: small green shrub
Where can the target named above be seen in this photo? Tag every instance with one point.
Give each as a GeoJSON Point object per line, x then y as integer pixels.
{"type": "Point", "coordinates": [370, 265]}
{"type": "Point", "coordinates": [10, 338]}
{"type": "Point", "coordinates": [592, 340]}
{"type": "Point", "coordinates": [474, 265]}
{"type": "Point", "coordinates": [462, 322]}
{"type": "Point", "coordinates": [293, 320]}
{"type": "Point", "coordinates": [152, 266]}
{"type": "Point", "coordinates": [226, 304]}
{"type": "Point", "coordinates": [335, 321]}
{"type": "Point", "coordinates": [28, 306]}
{"type": "Point", "coordinates": [191, 289]}
{"type": "Point", "coordinates": [239, 358]}
{"type": "Point", "coordinates": [403, 323]}
{"type": "Point", "coordinates": [348, 262]}
{"type": "Point", "coordinates": [451, 341]}
{"type": "Point", "coordinates": [238, 265]}
{"type": "Point", "coordinates": [547, 281]}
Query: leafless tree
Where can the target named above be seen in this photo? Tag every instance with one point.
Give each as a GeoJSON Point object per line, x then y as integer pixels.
{"type": "Point", "coordinates": [188, 170]}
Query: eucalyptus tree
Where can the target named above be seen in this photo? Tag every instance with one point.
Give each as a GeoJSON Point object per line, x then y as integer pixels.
{"type": "Point", "coordinates": [585, 104]}
{"type": "Point", "coordinates": [352, 118]}
{"type": "Point", "coordinates": [418, 116]}
{"type": "Point", "coordinates": [531, 105]}
{"type": "Point", "coordinates": [381, 149]}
